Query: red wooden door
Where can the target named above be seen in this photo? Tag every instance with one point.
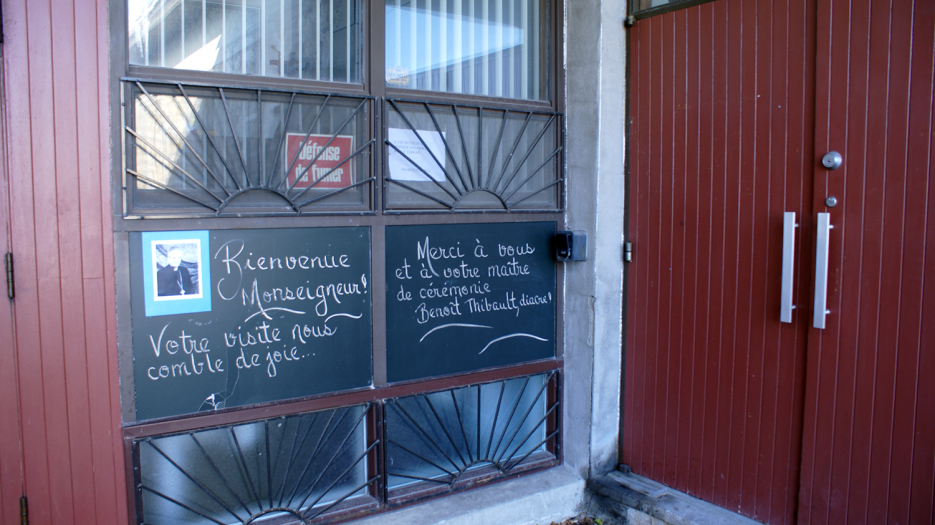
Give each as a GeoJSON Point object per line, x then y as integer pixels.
{"type": "Point", "coordinates": [733, 103]}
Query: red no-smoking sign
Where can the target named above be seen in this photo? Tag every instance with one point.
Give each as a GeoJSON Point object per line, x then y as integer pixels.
{"type": "Point", "coordinates": [328, 168]}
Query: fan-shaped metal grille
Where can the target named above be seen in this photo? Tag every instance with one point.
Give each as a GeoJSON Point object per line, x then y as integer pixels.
{"type": "Point", "coordinates": [441, 436]}
{"type": "Point", "coordinates": [462, 158]}
{"type": "Point", "coordinates": [196, 151]}
{"type": "Point", "coordinates": [295, 467]}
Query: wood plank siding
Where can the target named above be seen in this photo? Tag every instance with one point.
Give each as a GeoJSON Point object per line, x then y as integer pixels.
{"type": "Point", "coordinates": [57, 131]}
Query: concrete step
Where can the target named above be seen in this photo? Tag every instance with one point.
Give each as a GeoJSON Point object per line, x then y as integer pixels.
{"type": "Point", "coordinates": [646, 502]}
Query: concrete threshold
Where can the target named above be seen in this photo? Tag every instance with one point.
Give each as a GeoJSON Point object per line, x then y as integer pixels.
{"type": "Point", "coordinates": [643, 501]}
{"type": "Point", "coordinates": [544, 497]}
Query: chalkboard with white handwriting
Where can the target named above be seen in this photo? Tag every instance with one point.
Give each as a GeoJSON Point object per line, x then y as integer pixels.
{"type": "Point", "coordinates": [238, 317]}
{"type": "Point", "coordinates": [464, 297]}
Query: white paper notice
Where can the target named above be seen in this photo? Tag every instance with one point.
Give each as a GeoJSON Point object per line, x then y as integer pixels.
{"type": "Point", "coordinates": [407, 142]}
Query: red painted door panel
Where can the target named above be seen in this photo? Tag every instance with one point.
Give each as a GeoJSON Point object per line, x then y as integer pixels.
{"type": "Point", "coordinates": [720, 147]}
{"type": "Point", "coordinates": [869, 440]}
{"type": "Point", "coordinates": [56, 95]}
{"type": "Point", "coordinates": [732, 105]}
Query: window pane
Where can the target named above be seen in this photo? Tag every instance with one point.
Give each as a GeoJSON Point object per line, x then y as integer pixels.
{"type": "Point", "coordinates": [442, 157]}
{"type": "Point", "coordinates": [298, 466]}
{"type": "Point", "coordinates": [198, 150]}
{"type": "Point", "coordinates": [479, 47]}
{"type": "Point", "coordinates": [309, 39]}
{"type": "Point", "coordinates": [443, 436]}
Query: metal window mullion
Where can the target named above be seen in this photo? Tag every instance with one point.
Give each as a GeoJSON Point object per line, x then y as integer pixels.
{"type": "Point", "coordinates": [224, 36]}
{"type": "Point", "coordinates": [458, 57]}
{"type": "Point", "coordinates": [347, 49]}
{"type": "Point", "coordinates": [398, 29]}
{"type": "Point", "coordinates": [182, 29]}
{"type": "Point", "coordinates": [162, 33]}
{"type": "Point", "coordinates": [443, 47]}
{"type": "Point", "coordinates": [262, 39]}
{"type": "Point", "coordinates": [331, 41]}
{"type": "Point", "coordinates": [317, 39]}
{"type": "Point", "coordinates": [511, 82]}
{"type": "Point", "coordinates": [204, 23]}
{"type": "Point", "coordinates": [524, 50]}
{"type": "Point", "coordinates": [485, 47]}
{"type": "Point", "coordinates": [536, 32]}
{"type": "Point", "coordinates": [145, 30]}
{"type": "Point", "coordinates": [428, 44]}
{"type": "Point", "coordinates": [243, 37]}
{"type": "Point", "coordinates": [472, 49]}
{"type": "Point", "coordinates": [413, 43]}
{"type": "Point", "coordinates": [301, 38]}
{"type": "Point", "coordinates": [498, 62]}
{"type": "Point", "coordinates": [282, 38]}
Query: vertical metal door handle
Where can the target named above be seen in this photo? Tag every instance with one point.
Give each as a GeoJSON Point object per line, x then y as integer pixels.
{"type": "Point", "coordinates": [821, 271]}
{"type": "Point", "coordinates": [788, 256]}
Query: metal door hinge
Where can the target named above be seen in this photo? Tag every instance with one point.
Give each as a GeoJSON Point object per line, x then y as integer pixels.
{"type": "Point", "coordinates": [628, 251]}
{"type": "Point", "coordinates": [23, 509]}
{"type": "Point", "coordinates": [8, 262]}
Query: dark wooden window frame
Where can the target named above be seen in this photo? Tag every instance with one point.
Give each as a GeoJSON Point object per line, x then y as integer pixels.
{"type": "Point", "coordinates": [372, 86]}
{"type": "Point", "coordinates": [639, 14]}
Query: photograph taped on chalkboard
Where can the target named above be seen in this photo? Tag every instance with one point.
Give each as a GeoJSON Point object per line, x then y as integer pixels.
{"type": "Point", "coordinates": [176, 280]}
{"type": "Point", "coordinates": [464, 297]}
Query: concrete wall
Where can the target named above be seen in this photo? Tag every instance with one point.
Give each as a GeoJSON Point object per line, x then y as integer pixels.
{"type": "Point", "coordinates": [595, 77]}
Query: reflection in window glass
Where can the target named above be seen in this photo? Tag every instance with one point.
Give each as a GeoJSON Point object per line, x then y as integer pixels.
{"type": "Point", "coordinates": [216, 151]}
{"type": "Point", "coordinates": [466, 158]}
{"type": "Point", "coordinates": [478, 47]}
{"type": "Point", "coordinates": [307, 39]}
{"type": "Point", "coordinates": [298, 466]}
{"type": "Point", "coordinates": [438, 437]}
{"type": "Point", "coordinates": [644, 5]}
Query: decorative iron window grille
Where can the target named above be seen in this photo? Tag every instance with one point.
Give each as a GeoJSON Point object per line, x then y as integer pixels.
{"type": "Point", "coordinates": [288, 468]}
{"type": "Point", "coordinates": [466, 158]}
{"type": "Point", "coordinates": [459, 437]}
{"type": "Point", "coordinates": [329, 464]}
{"type": "Point", "coordinates": [210, 151]}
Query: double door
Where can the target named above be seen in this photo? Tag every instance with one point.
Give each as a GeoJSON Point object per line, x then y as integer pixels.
{"type": "Point", "coordinates": [829, 417]}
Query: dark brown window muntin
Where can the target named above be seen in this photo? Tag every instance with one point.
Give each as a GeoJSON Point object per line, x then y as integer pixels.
{"type": "Point", "coordinates": [640, 9]}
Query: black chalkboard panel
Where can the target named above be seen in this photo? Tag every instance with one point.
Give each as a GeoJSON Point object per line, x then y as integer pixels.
{"type": "Point", "coordinates": [237, 317]}
{"type": "Point", "coordinates": [468, 296]}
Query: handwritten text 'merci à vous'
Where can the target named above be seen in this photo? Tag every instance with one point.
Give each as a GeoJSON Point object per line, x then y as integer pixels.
{"type": "Point", "coordinates": [475, 267]}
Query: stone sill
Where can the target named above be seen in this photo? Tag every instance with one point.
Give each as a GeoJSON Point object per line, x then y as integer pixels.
{"type": "Point", "coordinates": [544, 497]}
